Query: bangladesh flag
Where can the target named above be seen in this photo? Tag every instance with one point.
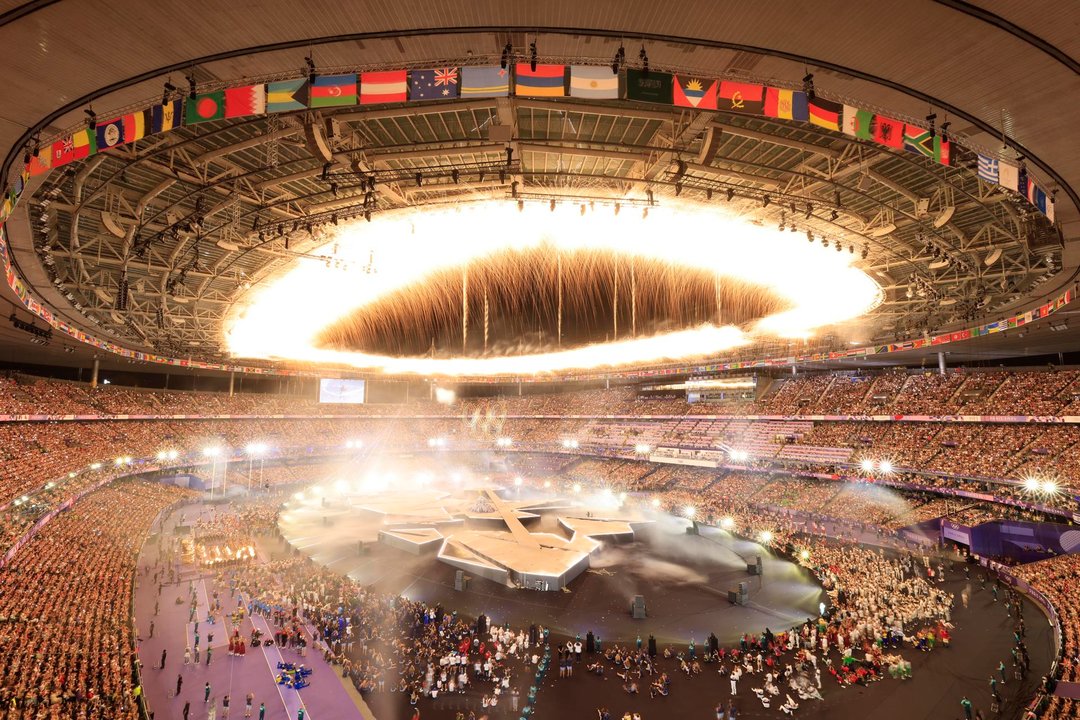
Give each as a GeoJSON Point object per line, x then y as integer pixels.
{"type": "Point", "coordinates": [205, 107]}
{"type": "Point", "coordinates": [653, 87]}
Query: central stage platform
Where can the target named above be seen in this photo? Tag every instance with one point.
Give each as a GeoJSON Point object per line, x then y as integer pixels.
{"type": "Point", "coordinates": [685, 578]}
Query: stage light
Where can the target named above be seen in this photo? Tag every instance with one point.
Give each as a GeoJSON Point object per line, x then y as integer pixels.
{"type": "Point", "coordinates": [299, 495]}
{"type": "Point", "coordinates": [445, 396]}
{"type": "Point", "coordinates": [727, 523]}
{"type": "Point", "coordinates": [766, 537]}
{"type": "Point", "coordinates": [805, 554]}
{"type": "Point", "coordinates": [70, 475]}
{"type": "Point", "coordinates": [1049, 487]}
{"type": "Point", "coordinates": [689, 512]}
{"type": "Point", "coordinates": [1032, 484]}
{"type": "Point", "coordinates": [867, 465]}
{"type": "Point", "coordinates": [642, 449]}
{"type": "Point", "coordinates": [211, 451]}
{"type": "Point", "coordinates": [547, 483]}
{"type": "Point", "coordinates": [656, 502]}
{"type": "Point", "coordinates": [255, 448]}
{"type": "Point", "coordinates": [885, 466]}
{"type": "Point", "coordinates": [577, 487]}
{"type": "Point", "coordinates": [518, 481]}
{"type": "Point", "coordinates": [341, 486]}
{"type": "Point", "coordinates": [316, 490]}
{"type": "Point", "coordinates": [95, 466]}
{"type": "Point", "coordinates": [162, 455]}
{"type": "Point", "coordinates": [504, 442]}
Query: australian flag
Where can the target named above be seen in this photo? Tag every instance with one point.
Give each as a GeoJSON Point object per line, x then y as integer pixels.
{"type": "Point", "coordinates": [435, 84]}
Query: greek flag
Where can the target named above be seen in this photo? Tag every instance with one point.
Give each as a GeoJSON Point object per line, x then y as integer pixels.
{"type": "Point", "coordinates": [988, 169]}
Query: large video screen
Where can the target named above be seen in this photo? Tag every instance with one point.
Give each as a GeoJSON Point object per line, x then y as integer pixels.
{"type": "Point", "coordinates": [333, 390]}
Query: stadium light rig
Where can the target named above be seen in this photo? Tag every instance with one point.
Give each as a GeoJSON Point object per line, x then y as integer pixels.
{"type": "Point", "coordinates": [504, 442]}
{"type": "Point", "coordinates": [727, 523]}
{"type": "Point", "coordinates": [570, 443]}
{"type": "Point", "coordinates": [766, 537]}
{"type": "Point", "coordinates": [354, 444]}
{"type": "Point", "coordinates": [642, 449]}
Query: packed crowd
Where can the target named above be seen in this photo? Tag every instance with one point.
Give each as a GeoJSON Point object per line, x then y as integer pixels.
{"type": "Point", "coordinates": [65, 602]}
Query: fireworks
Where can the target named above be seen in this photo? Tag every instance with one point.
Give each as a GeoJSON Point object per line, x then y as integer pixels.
{"type": "Point", "coordinates": [561, 290]}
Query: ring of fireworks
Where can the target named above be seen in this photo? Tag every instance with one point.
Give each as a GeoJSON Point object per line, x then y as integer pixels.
{"type": "Point", "coordinates": [395, 259]}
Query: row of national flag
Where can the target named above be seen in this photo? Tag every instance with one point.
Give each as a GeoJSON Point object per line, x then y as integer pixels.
{"type": "Point", "coordinates": [1015, 178]}
{"type": "Point", "coordinates": [589, 82]}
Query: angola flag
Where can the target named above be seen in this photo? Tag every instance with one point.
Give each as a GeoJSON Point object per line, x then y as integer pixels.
{"type": "Point", "coordinates": [383, 87]}
{"type": "Point", "coordinates": [205, 107]}
{"type": "Point", "coordinates": [653, 87]}
{"type": "Point", "coordinates": [742, 98]}
{"type": "Point", "coordinates": [825, 113]}
{"type": "Point", "coordinates": [785, 104]}
{"type": "Point", "coordinates": [544, 81]}
{"type": "Point", "coordinates": [333, 91]}
{"type": "Point", "coordinates": [434, 84]}
{"type": "Point", "coordinates": [695, 92]}
{"type": "Point", "coordinates": [287, 95]}
{"type": "Point", "coordinates": [246, 100]}
{"type": "Point", "coordinates": [165, 117]}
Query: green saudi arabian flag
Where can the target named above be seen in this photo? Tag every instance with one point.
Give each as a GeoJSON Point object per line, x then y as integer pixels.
{"type": "Point", "coordinates": [652, 86]}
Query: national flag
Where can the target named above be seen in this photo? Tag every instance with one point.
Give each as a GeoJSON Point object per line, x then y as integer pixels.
{"type": "Point", "coordinates": [544, 81]}
{"type": "Point", "coordinates": [110, 133]}
{"type": "Point", "coordinates": [205, 107]}
{"type": "Point", "coordinates": [78, 146]}
{"type": "Point", "coordinates": [136, 125]}
{"type": "Point", "coordinates": [858, 122]}
{"type": "Point", "coordinates": [1008, 176]}
{"type": "Point", "coordinates": [825, 113]}
{"type": "Point", "coordinates": [166, 116]}
{"type": "Point", "coordinates": [434, 84]}
{"type": "Point", "coordinates": [785, 104]}
{"type": "Point", "coordinates": [389, 86]}
{"type": "Point", "coordinates": [333, 91]}
{"type": "Point", "coordinates": [595, 83]}
{"type": "Point", "coordinates": [926, 143]}
{"type": "Point", "coordinates": [988, 169]}
{"type": "Point", "coordinates": [888, 132]}
{"type": "Point", "coordinates": [121, 130]}
{"type": "Point", "coordinates": [1050, 208]}
{"type": "Point", "coordinates": [41, 164]}
{"type": "Point", "coordinates": [287, 95]}
{"type": "Point", "coordinates": [485, 81]}
{"type": "Point", "coordinates": [742, 98]}
{"type": "Point", "coordinates": [694, 92]}
{"type": "Point", "coordinates": [653, 87]}
{"type": "Point", "coordinates": [246, 100]}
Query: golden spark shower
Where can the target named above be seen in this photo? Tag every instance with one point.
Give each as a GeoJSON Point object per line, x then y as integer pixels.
{"type": "Point", "coordinates": [490, 289]}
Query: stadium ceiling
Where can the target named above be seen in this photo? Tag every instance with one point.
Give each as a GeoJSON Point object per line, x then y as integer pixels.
{"type": "Point", "coordinates": [192, 219]}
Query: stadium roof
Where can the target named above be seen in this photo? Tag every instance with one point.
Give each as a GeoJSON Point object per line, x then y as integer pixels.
{"type": "Point", "coordinates": [191, 219]}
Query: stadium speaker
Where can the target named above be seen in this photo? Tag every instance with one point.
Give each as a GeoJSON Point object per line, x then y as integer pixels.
{"type": "Point", "coordinates": [693, 529]}
{"type": "Point", "coordinates": [754, 568]}
{"type": "Point", "coordinates": [460, 581]}
{"type": "Point", "coordinates": [637, 607]}
{"type": "Point", "coordinates": [744, 593]}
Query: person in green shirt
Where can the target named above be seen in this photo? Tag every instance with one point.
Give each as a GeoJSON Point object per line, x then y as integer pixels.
{"type": "Point", "coordinates": [966, 704]}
